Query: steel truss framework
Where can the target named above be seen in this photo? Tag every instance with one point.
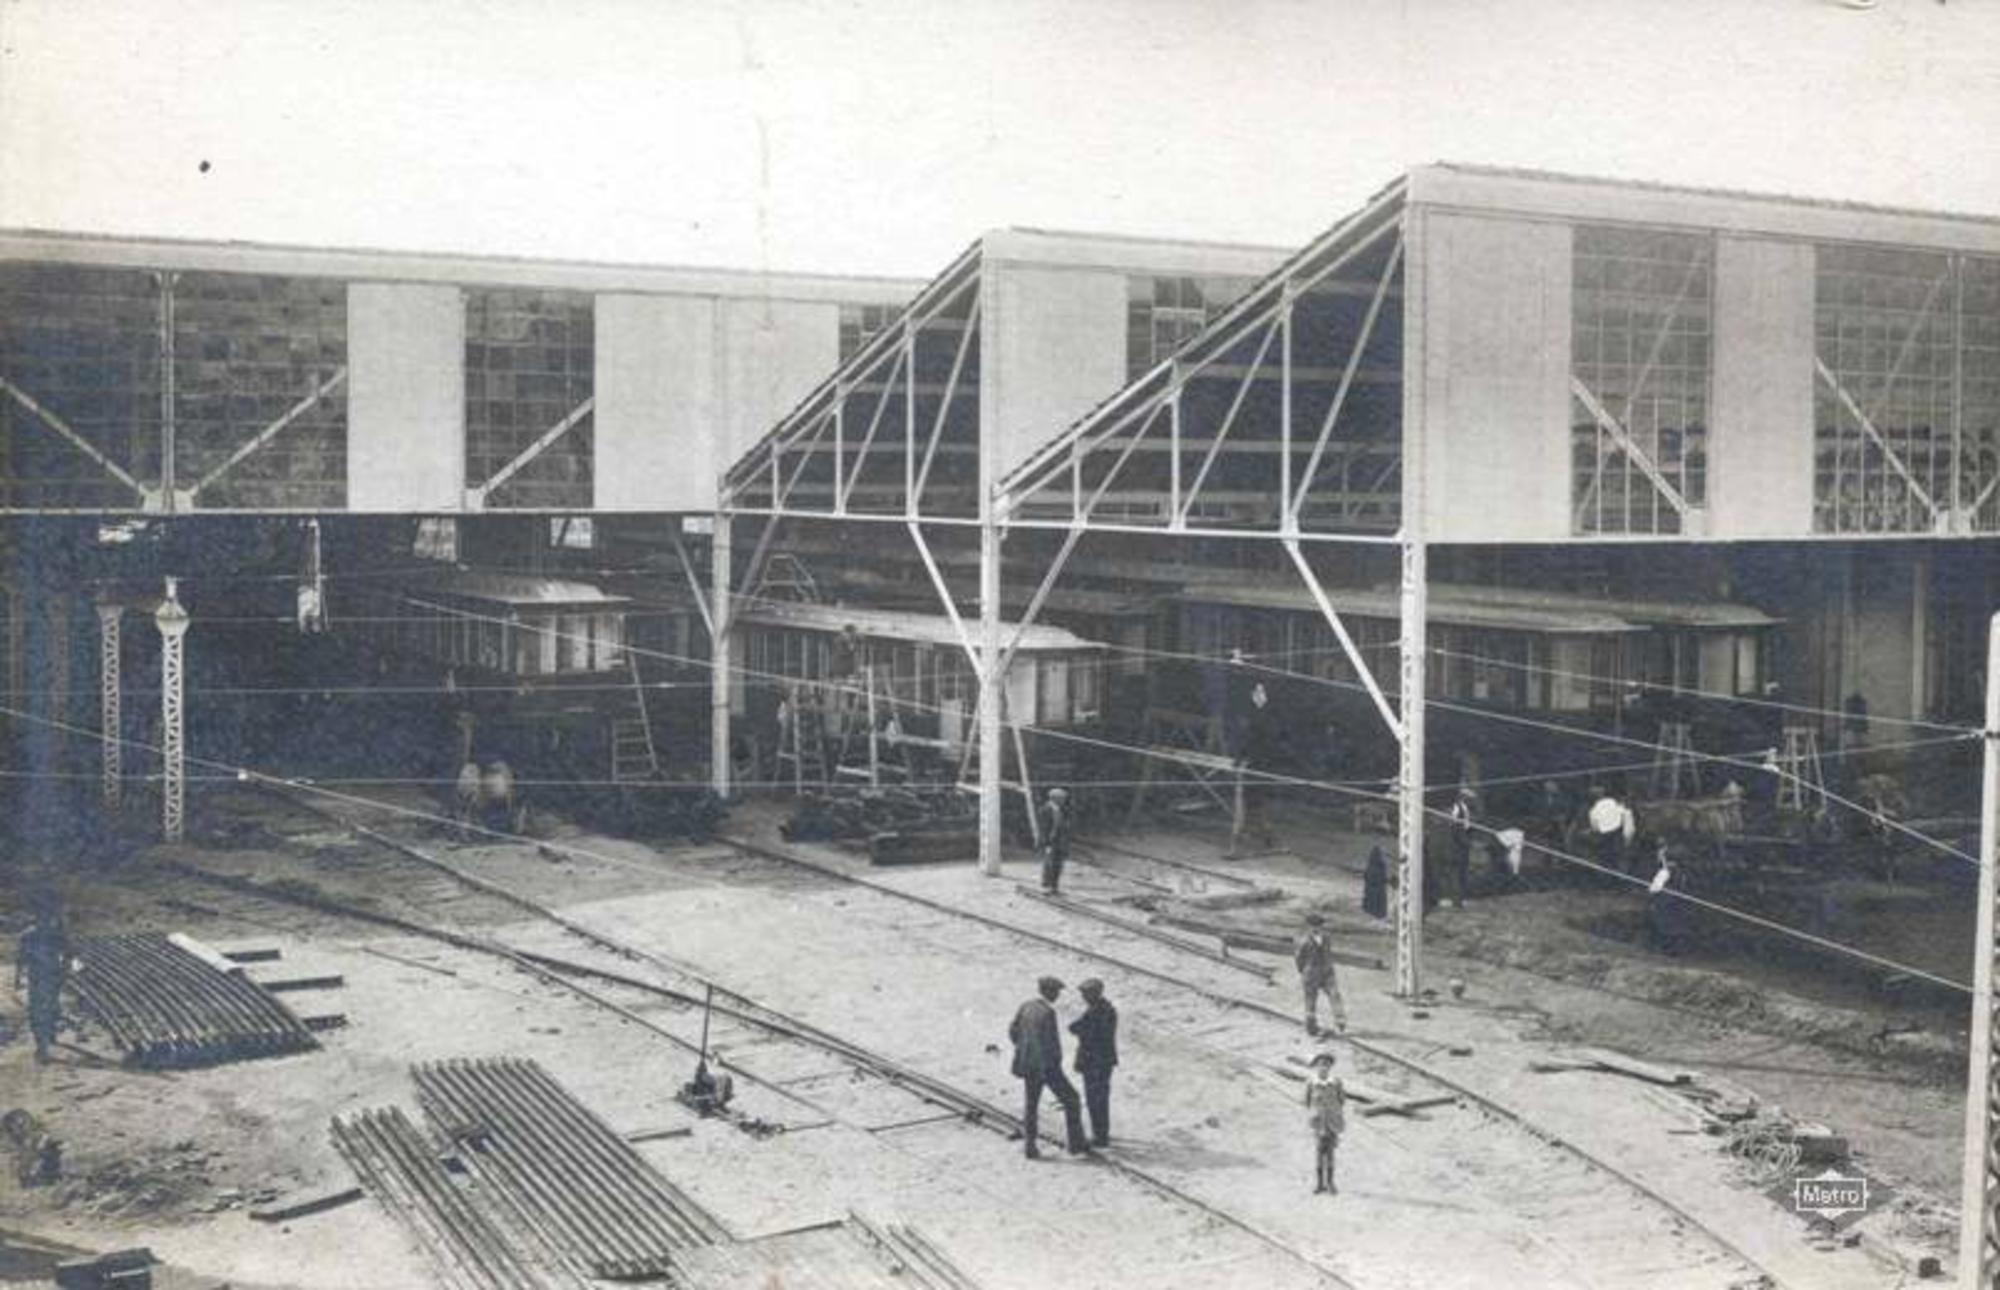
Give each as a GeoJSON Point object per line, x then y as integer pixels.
{"type": "Point", "coordinates": [141, 391]}
{"type": "Point", "coordinates": [1281, 421]}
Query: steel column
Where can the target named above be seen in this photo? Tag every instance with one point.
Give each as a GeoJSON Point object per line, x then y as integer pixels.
{"type": "Point", "coordinates": [1979, 1226]}
{"type": "Point", "coordinates": [1410, 775]}
{"type": "Point", "coordinates": [719, 643]}
{"type": "Point", "coordinates": [172, 620]}
{"type": "Point", "coordinates": [992, 692]}
{"type": "Point", "coordinates": [59, 706]}
{"type": "Point", "coordinates": [110, 623]}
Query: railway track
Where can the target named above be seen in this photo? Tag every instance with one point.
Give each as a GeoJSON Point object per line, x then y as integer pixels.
{"type": "Point", "coordinates": [1554, 1186]}
{"type": "Point", "coordinates": [633, 998]}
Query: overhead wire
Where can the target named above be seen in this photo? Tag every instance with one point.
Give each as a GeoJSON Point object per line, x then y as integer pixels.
{"type": "Point", "coordinates": [248, 774]}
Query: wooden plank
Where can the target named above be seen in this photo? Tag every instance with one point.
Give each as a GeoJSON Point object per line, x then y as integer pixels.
{"type": "Point", "coordinates": [1405, 1106]}
{"type": "Point", "coordinates": [265, 954]}
{"type": "Point", "coordinates": [1634, 1067]}
{"type": "Point", "coordinates": [280, 985]}
{"type": "Point", "coordinates": [291, 1209]}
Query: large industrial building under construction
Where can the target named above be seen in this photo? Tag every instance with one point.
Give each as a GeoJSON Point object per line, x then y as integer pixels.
{"type": "Point", "coordinates": [595, 737]}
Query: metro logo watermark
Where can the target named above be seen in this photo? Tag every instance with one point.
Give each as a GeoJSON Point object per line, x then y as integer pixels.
{"type": "Point", "coordinates": [1830, 1195]}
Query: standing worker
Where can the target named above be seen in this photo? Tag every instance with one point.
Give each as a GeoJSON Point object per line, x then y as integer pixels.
{"type": "Point", "coordinates": [1462, 807]}
{"type": "Point", "coordinates": [1038, 1065]}
{"type": "Point", "coordinates": [1314, 957]}
{"type": "Point", "coordinates": [1611, 829]}
{"type": "Point", "coordinates": [1326, 1112]}
{"type": "Point", "coordinates": [1096, 1034]}
{"type": "Point", "coordinates": [1055, 838]}
{"type": "Point", "coordinates": [44, 962]}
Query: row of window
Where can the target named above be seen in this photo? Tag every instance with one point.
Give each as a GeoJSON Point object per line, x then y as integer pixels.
{"type": "Point", "coordinates": [1507, 668]}
{"type": "Point", "coordinates": [1906, 384]}
{"type": "Point", "coordinates": [931, 687]}
{"type": "Point", "coordinates": [524, 643]}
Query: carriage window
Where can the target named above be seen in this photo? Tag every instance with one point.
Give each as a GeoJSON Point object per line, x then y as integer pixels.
{"type": "Point", "coordinates": [610, 642]}
{"type": "Point", "coordinates": [1086, 681]}
{"type": "Point", "coordinates": [1749, 675]}
{"type": "Point", "coordinates": [1569, 668]}
{"type": "Point", "coordinates": [1054, 697]}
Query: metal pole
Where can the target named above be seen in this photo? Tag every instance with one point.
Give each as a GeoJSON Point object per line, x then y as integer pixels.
{"type": "Point", "coordinates": [719, 620]}
{"type": "Point", "coordinates": [172, 620]}
{"type": "Point", "coordinates": [59, 706]}
{"type": "Point", "coordinates": [110, 622]}
{"type": "Point", "coordinates": [1410, 776]}
{"type": "Point", "coordinates": [993, 689]}
{"type": "Point", "coordinates": [1979, 1226]}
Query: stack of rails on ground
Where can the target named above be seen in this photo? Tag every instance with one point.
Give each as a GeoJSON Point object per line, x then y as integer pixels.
{"type": "Point", "coordinates": [450, 835]}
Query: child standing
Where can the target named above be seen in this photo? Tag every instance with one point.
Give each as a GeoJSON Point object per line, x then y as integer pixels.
{"type": "Point", "coordinates": [1326, 1110]}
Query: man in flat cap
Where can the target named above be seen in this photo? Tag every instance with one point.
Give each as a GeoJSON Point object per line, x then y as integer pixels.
{"type": "Point", "coordinates": [1055, 838]}
{"type": "Point", "coordinates": [1314, 958]}
{"type": "Point", "coordinates": [1096, 1034]}
{"type": "Point", "coordinates": [1038, 1065]}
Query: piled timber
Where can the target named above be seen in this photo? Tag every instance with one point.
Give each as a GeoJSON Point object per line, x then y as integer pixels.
{"type": "Point", "coordinates": [167, 1007]}
{"type": "Point", "coordinates": [570, 1174]}
{"type": "Point", "coordinates": [464, 1239]}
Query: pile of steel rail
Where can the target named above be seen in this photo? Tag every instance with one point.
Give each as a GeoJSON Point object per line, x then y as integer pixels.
{"type": "Point", "coordinates": [567, 1170]}
{"type": "Point", "coordinates": [167, 1007]}
{"type": "Point", "coordinates": [471, 1243]}
{"type": "Point", "coordinates": [522, 1187]}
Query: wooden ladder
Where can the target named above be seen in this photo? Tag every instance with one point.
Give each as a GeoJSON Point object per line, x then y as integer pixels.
{"type": "Point", "coordinates": [1801, 779]}
{"type": "Point", "coordinates": [1674, 765]}
{"type": "Point", "coordinates": [634, 758]}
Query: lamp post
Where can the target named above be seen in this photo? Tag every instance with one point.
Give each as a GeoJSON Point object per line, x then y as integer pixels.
{"type": "Point", "coordinates": [172, 620]}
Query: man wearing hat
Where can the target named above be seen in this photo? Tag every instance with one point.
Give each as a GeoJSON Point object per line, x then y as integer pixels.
{"type": "Point", "coordinates": [1314, 957]}
{"type": "Point", "coordinates": [1096, 1034]}
{"type": "Point", "coordinates": [1038, 1065]}
{"type": "Point", "coordinates": [1055, 838]}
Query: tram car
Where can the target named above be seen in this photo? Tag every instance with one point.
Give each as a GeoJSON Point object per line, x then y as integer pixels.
{"type": "Point", "coordinates": [532, 673]}
{"type": "Point", "coordinates": [834, 695]}
{"type": "Point", "coordinates": [1511, 674]}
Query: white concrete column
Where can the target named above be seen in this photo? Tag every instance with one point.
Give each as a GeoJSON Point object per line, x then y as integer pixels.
{"type": "Point", "coordinates": [718, 668]}
{"type": "Point", "coordinates": [172, 620]}
{"type": "Point", "coordinates": [110, 725]}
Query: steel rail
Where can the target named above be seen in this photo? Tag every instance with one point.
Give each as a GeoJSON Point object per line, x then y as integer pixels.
{"type": "Point", "coordinates": [1415, 1067]}
{"type": "Point", "coordinates": [548, 1187]}
{"type": "Point", "coordinates": [747, 1010]}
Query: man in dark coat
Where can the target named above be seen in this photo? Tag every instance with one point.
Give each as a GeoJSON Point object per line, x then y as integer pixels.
{"type": "Point", "coordinates": [1375, 884]}
{"type": "Point", "coordinates": [1096, 1034]}
{"type": "Point", "coordinates": [1055, 838]}
{"type": "Point", "coordinates": [44, 961]}
{"type": "Point", "coordinates": [1038, 1064]}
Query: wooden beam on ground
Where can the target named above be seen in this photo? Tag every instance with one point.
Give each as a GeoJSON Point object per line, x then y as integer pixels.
{"type": "Point", "coordinates": [1150, 933]}
{"type": "Point", "coordinates": [328, 981]}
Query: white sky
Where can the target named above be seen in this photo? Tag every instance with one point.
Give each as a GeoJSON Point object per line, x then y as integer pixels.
{"type": "Point", "coordinates": [884, 135]}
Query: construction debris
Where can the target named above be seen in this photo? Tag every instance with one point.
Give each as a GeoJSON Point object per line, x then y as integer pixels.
{"type": "Point", "coordinates": [165, 1005]}
{"type": "Point", "coordinates": [119, 1270]}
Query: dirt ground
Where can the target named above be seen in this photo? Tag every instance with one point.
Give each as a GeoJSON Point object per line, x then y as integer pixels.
{"type": "Point", "coordinates": [1883, 1066]}
{"type": "Point", "coordinates": [174, 1160]}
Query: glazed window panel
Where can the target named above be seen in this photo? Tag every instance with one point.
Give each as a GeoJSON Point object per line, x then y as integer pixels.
{"type": "Point", "coordinates": [1164, 313]}
{"type": "Point", "coordinates": [1979, 385]}
{"type": "Point", "coordinates": [1641, 334]}
{"type": "Point", "coordinates": [529, 367]}
{"type": "Point", "coordinates": [85, 344]}
{"type": "Point", "coordinates": [1883, 405]}
{"type": "Point", "coordinates": [251, 351]}
{"type": "Point", "coordinates": [860, 324]}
